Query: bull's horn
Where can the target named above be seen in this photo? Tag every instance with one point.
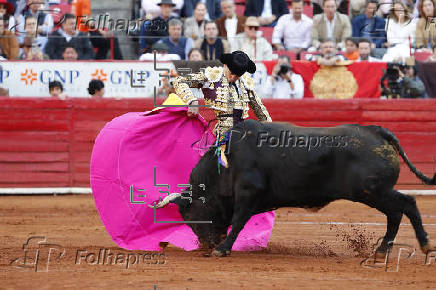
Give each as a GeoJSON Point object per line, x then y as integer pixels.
{"type": "Point", "coordinates": [166, 200]}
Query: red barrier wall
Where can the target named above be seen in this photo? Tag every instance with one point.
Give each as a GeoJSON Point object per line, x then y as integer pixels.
{"type": "Point", "coordinates": [48, 143]}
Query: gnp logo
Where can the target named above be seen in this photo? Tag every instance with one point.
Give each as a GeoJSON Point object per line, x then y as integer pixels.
{"type": "Point", "coordinates": [28, 77]}
{"type": "Point", "coordinates": [99, 74]}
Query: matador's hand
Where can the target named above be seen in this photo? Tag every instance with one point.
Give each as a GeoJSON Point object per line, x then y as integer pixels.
{"type": "Point", "coordinates": [193, 111]}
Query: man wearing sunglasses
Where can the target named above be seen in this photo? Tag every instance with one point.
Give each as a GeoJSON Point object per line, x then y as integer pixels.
{"type": "Point", "coordinates": [251, 42]}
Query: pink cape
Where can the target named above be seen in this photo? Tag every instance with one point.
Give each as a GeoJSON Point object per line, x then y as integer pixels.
{"type": "Point", "coordinates": [124, 156]}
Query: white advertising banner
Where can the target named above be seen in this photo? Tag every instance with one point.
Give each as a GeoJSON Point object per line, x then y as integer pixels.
{"type": "Point", "coordinates": [122, 79]}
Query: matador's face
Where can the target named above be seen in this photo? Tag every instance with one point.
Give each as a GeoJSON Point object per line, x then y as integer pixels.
{"type": "Point", "coordinates": [229, 75]}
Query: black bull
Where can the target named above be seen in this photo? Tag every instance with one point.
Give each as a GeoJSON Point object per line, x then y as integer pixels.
{"type": "Point", "coordinates": [273, 165]}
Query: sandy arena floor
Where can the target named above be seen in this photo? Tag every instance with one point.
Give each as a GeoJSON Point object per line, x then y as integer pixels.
{"type": "Point", "coordinates": [307, 251]}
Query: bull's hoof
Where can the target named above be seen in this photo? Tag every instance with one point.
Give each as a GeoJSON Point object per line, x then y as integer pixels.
{"type": "Point", "coordinates": [428, 248]}
{"type": "Point", "coordinates": [163, 245]}
{"type": "Point", "coordinates": [380, 256]}
{"type": "Point", "coordinates": [207, 254]}
{"type": "Point", "coordinates": [218, 253]}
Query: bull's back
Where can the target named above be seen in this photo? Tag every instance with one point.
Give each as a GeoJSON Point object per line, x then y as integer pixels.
{"type": "Point", "coordinates": [314, 165]}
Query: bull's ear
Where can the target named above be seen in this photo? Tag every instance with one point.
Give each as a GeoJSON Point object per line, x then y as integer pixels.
{"type": "Point", "coordinates": [181, 202]}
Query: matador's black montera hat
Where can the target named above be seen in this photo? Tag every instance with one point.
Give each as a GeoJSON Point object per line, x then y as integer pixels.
{"type": "Point", "coordinates": [238, 62]}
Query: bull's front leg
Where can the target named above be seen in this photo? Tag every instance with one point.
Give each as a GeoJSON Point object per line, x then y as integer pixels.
{"type": "Point", "coordinates": [249, 187]}
{"type": "Point", "coordinates": [238, 222]}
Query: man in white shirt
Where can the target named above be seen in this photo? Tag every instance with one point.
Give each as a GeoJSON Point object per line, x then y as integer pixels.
{"type": "Point", "coordinates": [286, 85]}
{"type": "Point", "coordinates": [365, 51]}
{"type": "Point", "coordinates": [294, 28]}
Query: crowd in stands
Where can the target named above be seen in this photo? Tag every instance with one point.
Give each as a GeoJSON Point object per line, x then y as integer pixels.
{"type": "Point", "coordinates": [28, 31]}
{"type": "Point", "coordinates": [325, 31]}
{"type": "Point", "coordinates": [395, 29]}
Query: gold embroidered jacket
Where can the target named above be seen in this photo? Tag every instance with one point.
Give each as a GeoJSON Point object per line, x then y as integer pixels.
{"type": "Point", "coordinates": [222, 97]}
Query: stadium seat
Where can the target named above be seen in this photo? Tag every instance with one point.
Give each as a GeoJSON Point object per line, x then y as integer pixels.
{"type": "Point", "coordinates": [308, 10]}
{"type": "Point", "coordinates": [240, 9]}
{"type": "Point", "coordinates": [267, 32]}
{"type": "Point", "coordinates": [292, 55]}
{"type": "Point", "coordinates": [422, 56]}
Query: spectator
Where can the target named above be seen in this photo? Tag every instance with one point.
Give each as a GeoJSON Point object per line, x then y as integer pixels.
{"type": "Point", "coordinates": [195, 55]}
{"type": "Point", "coordinates": [341, 4]}
{"type": "Point", "coordinates": [266, 11]}
{"type": "Point", "coordinates": [282, 59]}
{"type": "Point", "coordinates": [230, 24]}
{"type": "Point", "coordinates": [96, 89]}
{"type": "Point", "coordinates": [177, 43]}
{"type": "Point", "coordinates": [8, 42]}
{"type": "Point", "coordinates": [357, 7]}
{"type": "Point", "coordinates": [294, 28]}
{"type": "Point", "coordinates": [351, 50]}
{"type": "Point", "coordinates": [29, 51]}
{"type": "Point", "coordinates": [101, 40]}
{"type": "Point", "coordinates": [2, 55]}
{"type": "Point", "coordinates": [194, 26]}
{"type": "Point", "coordinates": [70, 53]}
{"type": "Point", "coordinates": [426, 28]}
{"type": "Point", "coordinates": [55, 89]}
{"type": "Point", "coordinates": [4, 92]}
{"type": "Point", "coordinates": [67, 34]}
{"type": "Point", "coordinates": [212, 46]}
{"type": "Point", "coordinates": [156, 29]}
{"type": "Point", "coordinates": [286, 85]}
{"type": "Point", "coordinates": [330, 24]}
{"type": "Point", "coordinates": [161, 53]}
{"type": "Point", "coordinates": [44, 20]}
{"type": "Point", "coordinates": [411, 83]}
{"type": "Point", "coordinates": [7, 11]}
{"type": "Point", "coordinates": [432, 58]}
{"type": "Point", "coordinates": [370, 26]}
{"type": "Point", "coordinates": [250, 41]}
{"type": "Point", "coordinates": [213, 8]}
{"type": "Point", "coordinates": [365, 46]}
{"type": "Point", "coordinates": [152, 9]}
{"type": "Point", "coordinates": [400, 31]}
{"type": "Point", "coordinates": [30, 25]}
{"type": "Point", "coordinates": [329, 55]}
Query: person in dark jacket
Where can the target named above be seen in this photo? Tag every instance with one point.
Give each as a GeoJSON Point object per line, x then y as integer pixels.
{"type": "Point", "coordinates": [157, 28]}
{"type": "Point", "coordinates": [370, 26]}
{"type": "Point", "coordinates": [412, 85]}
{"type": "Point", "coordinates": [67, 34]}
{"type": "Point", "coordinates": [267, 11]}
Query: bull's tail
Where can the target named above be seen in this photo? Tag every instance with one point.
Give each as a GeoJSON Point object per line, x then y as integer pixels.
{"type": "Point", "coordinates": [393, 140]}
